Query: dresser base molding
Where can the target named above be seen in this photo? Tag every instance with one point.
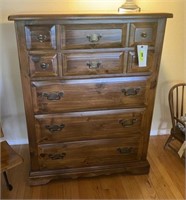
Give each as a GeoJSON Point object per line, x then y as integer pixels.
{"type": "Point", "coordinates": [133, 168]}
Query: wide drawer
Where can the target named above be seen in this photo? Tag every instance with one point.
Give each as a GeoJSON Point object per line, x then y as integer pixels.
{"type": "Point", "coordinates": [77, 126]}
{"type": "Point", "coordinates": [88, 94]}
{"type": "Point", "coordinates": [89, 153]}
{"type": "Point", "coordinates": [93, 63]}
{"type": "Point", "coordinates": [88, 36]}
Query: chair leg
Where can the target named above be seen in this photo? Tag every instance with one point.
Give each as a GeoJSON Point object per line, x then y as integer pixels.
{"type": "Point", "coordinates": [9, 186]}
{"type": "Point", "coordinates": [168, 141]}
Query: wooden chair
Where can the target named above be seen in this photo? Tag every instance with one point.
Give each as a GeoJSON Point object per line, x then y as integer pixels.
{"type": "Point", "coordinates": [177, 105]}
{"type": "Point", "coordinates": [9, 159]}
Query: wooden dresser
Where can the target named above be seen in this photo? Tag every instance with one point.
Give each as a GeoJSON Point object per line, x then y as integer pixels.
{"type": "Point", "coordinates": [88, 104]}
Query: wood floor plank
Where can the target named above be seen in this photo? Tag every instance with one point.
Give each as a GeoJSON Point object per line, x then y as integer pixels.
{"type": "Point", "coordinates": [131, 187]}
{"type": "Point", "coordinates": [146, 187]}
{"type": "Point", "coordinates": [161, 177]}
{"type": "Point", "coordinates": [112, 187]}
{"type": "Point", "coordinates": [166, 180]}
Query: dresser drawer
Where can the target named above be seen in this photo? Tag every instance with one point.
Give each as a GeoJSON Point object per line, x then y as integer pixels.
{"type": "Point", "coordinates": [44, 65]}
{"type": "Point", "coordinates": [89, 153]}
{"type": "Point", "coordinates": [93, 36]}
{"type": "Point", "coordinates": [93, 63]}
{"type": "Point", "coordinates": [143, 33]}
{"type": "Point", "coordinates": [40, 37]}
{"type": "Point", "coordinates": [133, 66]}
{"type": "Point", "coordinates": [77, 126]}
{"type": "Point", "coordinates": [88, 94]}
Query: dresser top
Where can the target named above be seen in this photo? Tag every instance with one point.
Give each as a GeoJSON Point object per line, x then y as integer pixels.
{"type": "Point", "coordinates": [88, 16]}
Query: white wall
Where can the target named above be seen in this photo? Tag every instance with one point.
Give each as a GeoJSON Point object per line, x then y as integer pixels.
{"type": "Point", "coordinates": [185, 40]}
{"type": "Point", "coordinates": [172, 63]}
{"type": "Point", "coordinates": [0, 58]}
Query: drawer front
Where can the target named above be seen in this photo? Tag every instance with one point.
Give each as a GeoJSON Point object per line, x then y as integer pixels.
{"type": "Point", "coordinates": [93, 36]}
{"type": "Point", "coordinates": [40, 37]}
{"type": "Point", "coordinates": [93, 63]}
{"type": "Point", "coordinates": [44, 65]}
{"type": "Point", "coordinates": [132, 63]}
{"type": "Point", "coordinates": [89, 153]}
{"type": "Point", "coordinates": [88, 125]}
{"type": "Point", "coordinates": [77, 95]}
{"type": "Point", "coordinates": [143, 33]}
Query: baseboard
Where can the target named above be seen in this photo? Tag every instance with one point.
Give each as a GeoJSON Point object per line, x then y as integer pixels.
{"type": "Point", "coordinates": [18, 142]}
{"type": "Point", "coordinates": [160, 132]}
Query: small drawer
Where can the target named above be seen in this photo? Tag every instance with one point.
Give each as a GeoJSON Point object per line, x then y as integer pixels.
{"type": "Point", "coordinates": [77, 126]}
{"type": "Point", "coordinates": [89, 153]}
{"type": "Point", "coordinates": [93, 63]}
{"type": "Point", "coordinates": [93, 36]}
{"type": "Point", "coordinates": [43, 65]}
{"type": "Point", "coordinates": [143, 33]}
{"type": "Point", "coordinates": [40, 37]}
{"type": "Point", "coordinates": [88, 94]}
{"type": "Point", "coordinates": [132, 63]}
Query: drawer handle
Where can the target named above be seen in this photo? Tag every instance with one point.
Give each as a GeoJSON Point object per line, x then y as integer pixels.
{"type": "Point", "coordinates": [53, 96]}
{"type": "Point", "coordinates": [144, 35]}
{"type": "Point", "coordinates": [41, 38]}
{"type": "Point", "coordinates": [128, 122]}
{"type": "Point", "coordinates": [130, 91]}
{"type": "Point", "coordinates": [44, 66]}
{"type": "Point", "coordinates": [93, 64]}
{"type": "Point", "coordinates": [54, 156]}
{"type": "Point", "coordinates": [55, 128]}
{"type": "Point", "coordinates": [57, 156]}
{"type": "Point", "coordinates": [94, 37]}
{"type": "Point", "coordinates": [125, 150]}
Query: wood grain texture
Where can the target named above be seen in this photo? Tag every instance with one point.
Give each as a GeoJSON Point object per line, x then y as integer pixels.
{"type": "Point", "coordinates": [165, 180]}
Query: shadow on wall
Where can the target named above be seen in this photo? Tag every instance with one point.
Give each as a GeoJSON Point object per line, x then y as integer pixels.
{"type": "Point", "coordinates": [15, 130]}
{"type": "Point", "coordinates": [12, 107]}
{"type": "Point", "coordinates": [162, 104]}
{"type": "Point", "coordinates": [12, 99]}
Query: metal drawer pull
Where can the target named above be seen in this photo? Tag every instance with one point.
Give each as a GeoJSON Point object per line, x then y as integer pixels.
{"type": "Point", "coordinates": [128, 122]}
{"type": "Point", "coordinates": [44, 66]}
{"type": "Point", "coordinates": [57, 156]}
{"type": "Point", "coordinates": [55, 127]}
{"type": "Point", "coordinates": [144, 35]}
{"type": "Point", "coordinates": [54, 156]}
{"type": "Point", "coordinates": [94, 37]}
{"type": "Point", "coordinates": [130, 91]}
{"type": "Point", "coordinates": [41, 38]}
{"type": "Point", "coordinates": [93, 64]}
{"type": "Point", "coordinates": [125, 150]}
{"type": "Point", "coordinates": [53, 96]}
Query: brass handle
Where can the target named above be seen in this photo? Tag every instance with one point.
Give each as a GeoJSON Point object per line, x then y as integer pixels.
{"type": "Point", "coordinates": [57, 156]}
{"type": "Point", "coordinates": [55, 128]}
{"type": "Point", "coordinates": [51, 96]}
{"type": "Point", "coordinates": [128, 122]}
{"type": "Point", "coordinates": [125, 150]}
{"type": "Point", "coordinates": [44, 66]}
{"type": "Point", "coordinates": [41, 38]}
{"type": "Point", "coordinates": [144, 35]}
{"type": "Point", "coordinates": [53, 156]}
{"type": "Point", "coordinates": [94, 37]}
{"type": "Point", "coordinates": [130, 91]}
{"type": "Point", "coordinates": [93, 64]}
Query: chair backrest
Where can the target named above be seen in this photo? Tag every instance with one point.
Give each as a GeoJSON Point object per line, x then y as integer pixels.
{"type": "Point", "coordinates": [1, 131]}
{"type": "Point", "coordinates": [177, 103]}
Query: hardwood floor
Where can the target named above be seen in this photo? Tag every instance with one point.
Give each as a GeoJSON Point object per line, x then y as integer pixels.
{"type": "Point", "coordinates": [165, 180]}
